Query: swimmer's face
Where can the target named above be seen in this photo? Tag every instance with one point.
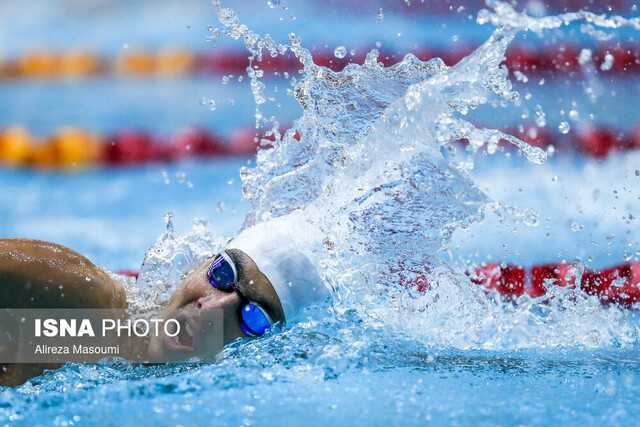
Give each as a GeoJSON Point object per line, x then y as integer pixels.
{"type": "Point", "coordinates": [196, 303]}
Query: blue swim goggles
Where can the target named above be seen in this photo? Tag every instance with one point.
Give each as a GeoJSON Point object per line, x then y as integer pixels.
{"type": "Point", "coordinates": [223, 275]}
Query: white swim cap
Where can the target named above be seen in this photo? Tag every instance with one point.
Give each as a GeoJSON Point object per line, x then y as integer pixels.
{"type": "Point", "coordinates": [272, 246]}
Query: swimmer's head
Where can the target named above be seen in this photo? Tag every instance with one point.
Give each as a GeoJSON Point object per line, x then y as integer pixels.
{"type": "Point", "coordinates": [275, 247]}
{"type": "Point", "coordinates": [270, 274]}
{"type": "Point", "coordinates": [196, 304]}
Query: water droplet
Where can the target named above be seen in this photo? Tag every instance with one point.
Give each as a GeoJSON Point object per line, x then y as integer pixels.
{"type": "Point", "coordinates": [340, 52]}
{"type": "Point", "coordinates": [520, 76]}
{"type": "Point", "coordinates": [199, 224]}
{"type": "Point", "coordinates": [225, 80]}
{"type": "Point", "coordinates": [380, 16]}
{"type": "Point", "coordinates": [273, 3]}
{"type": "Point", "coordinates": [637, 172]}
{"type": "Point", "coordinates": [551, 150]}
{"type": "Point", "coordinates": [181, 176]}
{"type": "Point", "coordinates": [293, 39]}
{"type": "Point", "coordinates": [608, 62]}
{"type": "Point", "coordinates": [168, 220]}
{"type": "Point", "coordinates": [228, 17]}
{"type": "Point", "coordinates": [584, 57]}
{"type": "Point", "coordinates": [541, 120]}
{"type": "Point", "coordinates": [564, 127]}
{"type": "Point", "coordinates": [576, 226]}
{"type": "Point", "coordinates": [574, 115]}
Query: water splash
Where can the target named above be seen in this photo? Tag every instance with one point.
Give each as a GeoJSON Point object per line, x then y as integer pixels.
{"type": "Point", "coordinates": [167, 263]}
{"type": "Point", "coordinates": [370, 164]}
{"type": "Point", "coordinates": [505, 15]}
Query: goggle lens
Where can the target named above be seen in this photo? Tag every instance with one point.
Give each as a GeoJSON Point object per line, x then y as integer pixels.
{"type": "Point", "coordinates": [255, 321]}
{"type": "Point", "coordinates": [221, 273]}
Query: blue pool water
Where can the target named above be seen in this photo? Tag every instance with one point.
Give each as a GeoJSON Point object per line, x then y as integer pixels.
{"type": "Point", "coordinates": [113, 216]}
{"type": "Point", "coordinates": [332, 369]}
{"type": "Point", "coordinates": [449, 387]}
{"type": "Point", "coordinates": [372, 355]}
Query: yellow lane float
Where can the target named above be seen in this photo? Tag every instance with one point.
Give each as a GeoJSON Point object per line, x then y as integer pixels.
{"type": "Point", "coordinates": [68, 148]}
{"type": "Point", "coordinates": [15, 145]}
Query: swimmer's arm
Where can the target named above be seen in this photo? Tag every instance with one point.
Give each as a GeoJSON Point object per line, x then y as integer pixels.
{"type": "Point", "coordinates": [36, 274]}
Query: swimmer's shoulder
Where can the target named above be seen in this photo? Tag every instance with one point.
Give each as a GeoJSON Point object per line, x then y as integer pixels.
{"type": "Point", "coordinates": [38, 274]}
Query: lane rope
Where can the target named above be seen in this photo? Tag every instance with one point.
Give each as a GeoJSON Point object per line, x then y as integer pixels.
{"type": "Point", "coordinates": [618, 285]}
{"type": "Point", "coordinates": [609, 58]}
{"type": "Point", "coordinates": [75, 147]}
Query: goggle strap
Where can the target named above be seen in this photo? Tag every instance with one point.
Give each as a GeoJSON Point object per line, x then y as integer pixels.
{"type": "Point", "coordinates": [229, 261]}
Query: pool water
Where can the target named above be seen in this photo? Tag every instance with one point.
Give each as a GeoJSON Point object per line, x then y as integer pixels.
{"type": "Point", "coordinates": [113, 216]}
{"type": "Point", "coordinates": [373, 355]}
{"type": "Point", "coordinates": [333, 368]}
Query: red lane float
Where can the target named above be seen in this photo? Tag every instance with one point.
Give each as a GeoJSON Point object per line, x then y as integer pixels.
{"type": "Point", "coordinates": [634, 140]}
{"type": "Point", "coordinates": [506, 280]}
{"type": "Point", "coordinates": [129, 147]}
{"type": "Point", "coordinates": [545, 275]}
{"type": "Point", "coordinates": [598, 141]}
{"type": "Point", "coordinates": [616, 285]}
{"type": "Point", "coordinates": [129, 273]}
{"type": "Point", "coordinates": [195, 142]}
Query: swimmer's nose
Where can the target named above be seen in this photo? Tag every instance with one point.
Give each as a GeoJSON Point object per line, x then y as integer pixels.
{"type": "Point", "coordinates": [230, 304]}
{"type": "Point", "coordinates": [228, 301]}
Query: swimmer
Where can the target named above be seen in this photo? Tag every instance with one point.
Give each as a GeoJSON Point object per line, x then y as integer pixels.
{"type": "Point", "coordinates": [261, 278]}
